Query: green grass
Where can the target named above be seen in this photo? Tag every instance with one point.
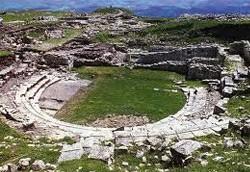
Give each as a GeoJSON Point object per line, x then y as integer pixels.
{"type": "Point", "coordinates": [21, 147]}
{"type": "Point", "coordinates": [234, 106]}
{"type": "Point", "coordinates": [105, 37]}
{"type": "Point", "coordinates": [29, 15]}
{"type": "Point", "coordinates": [195, 31]}
{"type": "Point", "coordinates": [51, 43]}
{"type": "Point", "coordinates": [233, 159]}
{"type": "Point", "coordinates": [4, 53]}
{"type": "Point", "coordinates": [122, 91]}
{"type": "Point", "coordinates": [85, 165]}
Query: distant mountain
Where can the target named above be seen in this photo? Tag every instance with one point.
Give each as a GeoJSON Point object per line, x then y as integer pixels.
{"type": "Point", "coordinates": [172, 11]}
{"type": "Point", "coordinates": [156, 11]}
{"type": "Point", "coordinates": [155, 8]}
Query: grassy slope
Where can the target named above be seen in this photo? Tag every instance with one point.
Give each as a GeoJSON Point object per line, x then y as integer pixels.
{"type": "Point", "coordinates": [125, 92]}
{"type": "Point", "coordinates": [51, 43]}
{"type": "Point", "coordinates": [30, 14]}
{"type": "Point", "coordinates": [239, 106]}
{"type": "Point", "coordinates": [198, 31]}
{"type": "Point", "coordinates": [4, 53]}
{"type": "Point", "coordinates": [21, 147]}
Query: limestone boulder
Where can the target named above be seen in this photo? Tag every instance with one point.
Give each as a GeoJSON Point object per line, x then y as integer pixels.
{"type": "Point", "coordinates": [71, 152]}
{"type": "Point", "coordinates": [54, 34]}
{"type": "Point", "coordinates": [99, 152]}
{"type": "Point", "coordinates": [24, 163]}
{"type": "Point", "coordinates": [183, 150]}
{"type": "Point", "coordinates": [38, 165]}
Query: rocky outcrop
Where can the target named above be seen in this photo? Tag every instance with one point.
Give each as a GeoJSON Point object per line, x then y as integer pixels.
{"type": "Point", "coordinates": [58, 58]}
{"type": "Point", "coordinates": [203, 71]}
{"type": "Point", "coordinates": [183, 150]}
{"type": "Point", "coordinates": [242, 126]}
{"type": "Point", "coordinates": [242, 48]}
{"type": "Point", "coordinates": [54, 34]}
{"type": "Point", "coordinates": [94, 55]}
{"type": "Point", "coordinates": [201, 62]}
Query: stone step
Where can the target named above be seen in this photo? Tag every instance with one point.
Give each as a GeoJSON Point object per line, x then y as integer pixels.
{"type": "Point", "coordinates": [33, 91]}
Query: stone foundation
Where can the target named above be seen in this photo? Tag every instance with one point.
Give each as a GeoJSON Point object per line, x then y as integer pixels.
{"type": "Point", "coordinates": [201, 62]}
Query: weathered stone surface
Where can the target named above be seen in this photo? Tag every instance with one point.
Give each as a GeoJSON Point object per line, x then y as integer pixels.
{"type": "Point", "coordinates": [99, 152]}
{"type": "Point", "coordinates": [242, 48]}
{"type": "Point", "coordinates": [56, 59]}
{"type": "Point", "coordinates": [203, 71]}
{"type": "Point", "coordinates": [55, 96]}
{"type": "Point", "coordinates": [185, 148]}
{"type": "Point", "coordinates": [227, 91]}
{"type": "Point", "coordinates": [95, 54]}
{"type": "Point", "coordinates": [228, 143]}
{"type": "Point", "coordinates": [54, 34]}
{"type": "Point", "coordinates": [195, 62]}
{"type": "Point", "coordinates": [243, 126]}
{"type": "Point", "coordinates": [220, 106]}
{"type": "Point", "coordinates": [9, 168]}
{"type": "Point", "coordinates": [38, 165]}
{"type": "Point", "coordinates": [71, 152]}
{"type": "Point", "coordinates": [24, 163]}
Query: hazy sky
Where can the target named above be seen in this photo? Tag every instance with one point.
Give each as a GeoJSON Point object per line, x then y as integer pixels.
{"type": "Point", "coordinates": [66, 4]}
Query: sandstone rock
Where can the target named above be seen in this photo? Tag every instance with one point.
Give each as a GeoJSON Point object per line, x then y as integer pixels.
{"type": "Point", "coordinates": [38, 165]}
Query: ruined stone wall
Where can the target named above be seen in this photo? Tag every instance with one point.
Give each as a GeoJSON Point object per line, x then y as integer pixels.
{"type": "Point", "coordinates": [202, 62]}
{"type": "Point", "coordinates": [176, 55]}
{"type": "Point", "coordinates": [242, 48]}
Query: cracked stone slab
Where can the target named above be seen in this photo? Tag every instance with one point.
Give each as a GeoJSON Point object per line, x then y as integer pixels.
{"type": "Point", "coordinates": [71, 152]}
